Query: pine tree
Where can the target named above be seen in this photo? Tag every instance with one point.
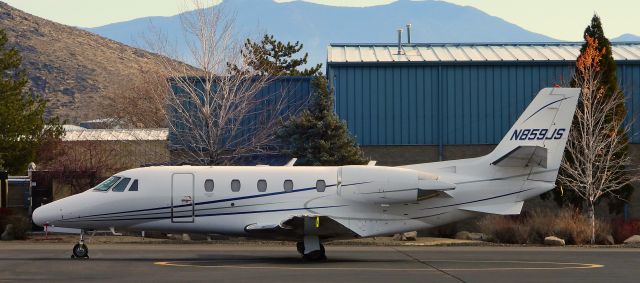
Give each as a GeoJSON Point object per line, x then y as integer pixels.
{"type": "Point", "coordinates": [317, 136]}
{"type": "Point", "coordinates": [23, 128]}
{"type": "Point", "coordinates": [609, 81]}
{"type": "Point", "coordinates": [272, 57]}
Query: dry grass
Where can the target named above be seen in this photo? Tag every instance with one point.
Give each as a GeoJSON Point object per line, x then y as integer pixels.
{"type": "Point", "coordinates": [534, 226]}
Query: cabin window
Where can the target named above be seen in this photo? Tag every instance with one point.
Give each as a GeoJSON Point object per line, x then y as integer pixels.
{"type": "Point", "coordinates": [262, 185]}
{"type": "Point", "coordinates": [288, 185]}
{"type": "Point", "coordinates": [320, 186]}
{"type": "Point", "coordinates": [106, 184]}
{"type": "Point", "coordinates": [235, 185]}
{"type": "Point", "coordinates": [134, 186]}
{"type": "Point", "coordinates": [120, 186]}
{"type": "Point", "coordinates": [208, 185]}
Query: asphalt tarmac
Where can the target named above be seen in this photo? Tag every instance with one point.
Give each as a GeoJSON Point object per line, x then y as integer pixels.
{"type": "Point", "coordinates": [251, 263]}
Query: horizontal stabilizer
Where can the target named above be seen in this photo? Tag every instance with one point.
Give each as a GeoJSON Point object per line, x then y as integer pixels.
{"type": "Point", "coordinates": [510, 208]}
{"type": "Point", "coordinates": [523, 156]}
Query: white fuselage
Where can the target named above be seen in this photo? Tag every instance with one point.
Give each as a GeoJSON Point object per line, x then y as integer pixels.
{"type": "Point", "coordinates": [345, 201]}
{"type": "Point", "coordinates": [174, 199]}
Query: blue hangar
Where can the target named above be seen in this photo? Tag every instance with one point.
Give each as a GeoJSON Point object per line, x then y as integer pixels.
{"type": "Point", "coordinates": [412, 103]}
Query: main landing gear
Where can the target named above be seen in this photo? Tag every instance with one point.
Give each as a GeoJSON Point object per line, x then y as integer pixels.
{"type": "Point", "coordinates": [80, 250]}
{"type": "Point", "coordinates": [311, 249]}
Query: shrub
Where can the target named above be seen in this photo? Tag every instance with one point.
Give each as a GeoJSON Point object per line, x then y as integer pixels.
{"type": "Point", "coordinates": [504, 229]}
{"type": "Point", "coordinates": [623, 230]}
{"type": "Point", "coordinates": [21, 225]}
{"type": "Point", "coordinates": [532, 227]}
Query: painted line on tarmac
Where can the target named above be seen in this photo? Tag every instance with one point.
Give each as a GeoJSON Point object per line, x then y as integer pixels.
{"type": "Point", "coordinates": [562, 265]}
{"type": "Point", "coordinates": [569, 265]}
{"type": "Point", "coordinates": [182, 264]}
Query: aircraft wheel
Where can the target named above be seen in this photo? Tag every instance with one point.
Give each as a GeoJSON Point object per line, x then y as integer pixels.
{"type": "Point", "coordinates": [318, 255]}
{"type": "Point", "coordinates": [300, 247]}
{"type": "Point", "coordinates": [80, 251]}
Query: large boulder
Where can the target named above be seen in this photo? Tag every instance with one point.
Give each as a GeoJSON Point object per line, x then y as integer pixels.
{"type": "Point", "coordinates": [8, 234]}
{"type": "Point", "coordinates": [407, 236]}
{"type": "Point", "coordinates": [553, 241]}
{"type": "Point", "coordinates": [608, 240]}
{"type": "Point", "coordinates": [635, 239]}
{"type": "Point", "coordinates": [410, 236]}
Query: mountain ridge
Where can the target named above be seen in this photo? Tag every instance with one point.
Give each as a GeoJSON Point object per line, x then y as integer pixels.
{"type": "Point", "coordinates": [627, 37]}
{"type": "Point", "coordinates": [70, 67]}
{"type": "Point", "coordinates": [317, 25]}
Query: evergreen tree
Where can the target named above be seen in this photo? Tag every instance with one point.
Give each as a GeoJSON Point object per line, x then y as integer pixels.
{"type": "Point", "coordinates": [272, 57]}
{"type": "Point", "coordinates": [317, 136]}
{"type": "Point", "coordinates": [609, 82]}
{"type": "Point", "coordinates": [22, 126]}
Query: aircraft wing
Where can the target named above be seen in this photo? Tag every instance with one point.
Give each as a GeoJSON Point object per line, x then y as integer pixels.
{"type": "Point", "coordinates": [294, 228]}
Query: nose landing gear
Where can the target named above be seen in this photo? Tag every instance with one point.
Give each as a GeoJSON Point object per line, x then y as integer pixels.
{"type": "Point", "coordinates": [80, 250]}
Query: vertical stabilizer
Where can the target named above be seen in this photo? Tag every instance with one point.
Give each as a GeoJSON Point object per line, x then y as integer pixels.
{"type": "Point", "coordinates": [539, 136]}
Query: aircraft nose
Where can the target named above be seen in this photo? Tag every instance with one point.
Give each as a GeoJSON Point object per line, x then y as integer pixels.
{"type": "Point", "coordinates": [45, 215]}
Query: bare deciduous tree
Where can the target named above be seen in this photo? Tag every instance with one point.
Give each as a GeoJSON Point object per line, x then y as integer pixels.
{"type": "Point", "coordinates": [138, 103]}
{"type": "Point", "coordinates": [217, 114]}
{"type": "Point", "coordinates": [596, 167]}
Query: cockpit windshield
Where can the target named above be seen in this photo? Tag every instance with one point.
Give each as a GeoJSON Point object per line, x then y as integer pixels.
{"type": "Point", "coordinates": [106, 184]}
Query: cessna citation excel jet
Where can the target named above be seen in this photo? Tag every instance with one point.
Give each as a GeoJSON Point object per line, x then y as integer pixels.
{"type": "Point", "coordinates": [312, 205]}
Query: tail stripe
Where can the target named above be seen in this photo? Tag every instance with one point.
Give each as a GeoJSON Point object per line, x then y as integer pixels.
{"type": "Point", "coordinates": [543, 107]}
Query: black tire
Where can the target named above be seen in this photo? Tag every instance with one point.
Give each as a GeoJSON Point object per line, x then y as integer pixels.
{"type": "Point", "coordinates": [80, 251]}
{"type": "Point", "coordinates": [318, 255]}
{"type": "Point", "coordinates": [300, 247]}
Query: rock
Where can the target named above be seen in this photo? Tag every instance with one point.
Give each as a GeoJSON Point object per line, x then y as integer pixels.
{"type": "Point", "coordinates": [608, 240]}
{"type": "Point", "coordinates": [478, 237]}
{"type": "Point", "coordinates": [186, 237]}
{"type": "Point", "coordinates": [397, 237]}
{"type": "Point", "coordinates": [410, 236]}
{"type": "Point", "coordinates": [635, 239]}
{"type": "Point", "coordinates": [463, 235]}
{"type": "Point", "coordinates": [8, 234]}
{"type": "Point", "coordinates": [553, 241]}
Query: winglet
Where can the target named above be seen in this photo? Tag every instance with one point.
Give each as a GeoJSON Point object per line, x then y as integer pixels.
{"type": "Point", "coordinates": [291, 162]}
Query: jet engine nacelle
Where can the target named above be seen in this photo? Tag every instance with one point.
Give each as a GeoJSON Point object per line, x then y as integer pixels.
{"type": "Point", "coordinates": [387, 185]}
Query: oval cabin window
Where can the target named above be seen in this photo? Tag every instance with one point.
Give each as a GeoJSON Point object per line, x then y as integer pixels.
{"type": "Point", "coordinates": [320, 185]}
{"type": "Point", "coordinates": [262, 185]}
{"type": "Point", "coordinates": [208, 185]}
{"type": "Point", "coordinates": [288, 185]}
{"type": "Point", "coordinates": [235, 185]}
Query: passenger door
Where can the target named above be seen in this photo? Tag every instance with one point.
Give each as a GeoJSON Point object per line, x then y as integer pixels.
{"type": "Point", "coordinates": [182, 198]}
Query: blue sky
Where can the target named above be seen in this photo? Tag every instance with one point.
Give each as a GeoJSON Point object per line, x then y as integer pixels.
{"type": "Point", "coordinates": [556, 18]}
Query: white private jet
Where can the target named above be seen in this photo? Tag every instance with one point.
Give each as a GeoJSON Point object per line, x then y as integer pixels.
{"type": "Point", "coordinates": [312, 205]}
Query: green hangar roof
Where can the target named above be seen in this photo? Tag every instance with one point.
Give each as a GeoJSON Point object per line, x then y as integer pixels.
{"type": "Point", "coordinates": [496, 52]}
